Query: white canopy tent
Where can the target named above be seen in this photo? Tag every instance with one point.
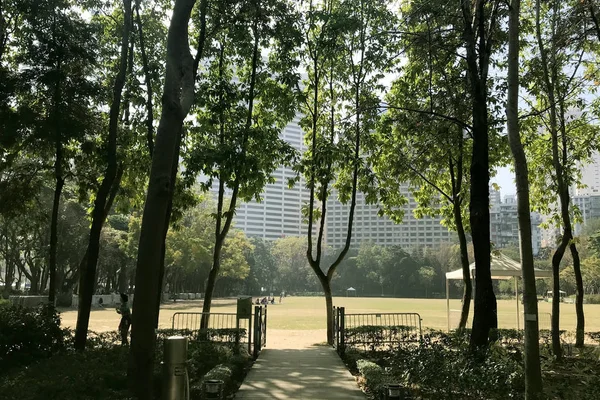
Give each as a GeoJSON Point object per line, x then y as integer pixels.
{"type": "Point", "coordinates": [350, 290]}
{"type": "Point", "coordinates": [502, 267]}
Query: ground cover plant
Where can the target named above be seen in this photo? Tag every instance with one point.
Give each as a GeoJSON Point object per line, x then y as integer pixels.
{"type": "Point", "coordinates": [443, 367]}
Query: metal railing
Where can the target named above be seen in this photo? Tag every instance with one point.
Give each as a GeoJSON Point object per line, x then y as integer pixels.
{"type": "Point", "coordinates": [373, 330]}
{"type": "Point", "coordinates": [225, 327]}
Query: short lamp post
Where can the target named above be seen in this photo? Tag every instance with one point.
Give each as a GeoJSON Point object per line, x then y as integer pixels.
{"type": "Point", "coordinates": [213, 389]}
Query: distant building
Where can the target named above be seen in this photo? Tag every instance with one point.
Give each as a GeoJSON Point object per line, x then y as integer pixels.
{"type": "Point", "coordinates": [504, 225]}
{"type": "Point", "coordinates": [590, 177]}
{"type": "Point", "coordinates": [369, 226]}
{"type": "Point", "coordinates": [279, 214]}
{"type": "Point", "coordinates": [589, 207]}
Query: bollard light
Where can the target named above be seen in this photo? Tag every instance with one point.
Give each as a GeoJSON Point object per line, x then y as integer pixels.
{"type": "Point", "coordinates": [175, 379]}
{"type": "Point", "coordinates": [393, 391]}
{"type": "Point", "coordinates": [213, 388]}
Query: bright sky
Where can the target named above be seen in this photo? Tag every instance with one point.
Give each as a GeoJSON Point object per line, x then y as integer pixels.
{"type": "Point", "coordinates": [505, 178]}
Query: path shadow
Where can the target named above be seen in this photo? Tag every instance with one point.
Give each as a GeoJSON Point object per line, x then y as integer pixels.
{"type": "Point", "coordinates": [312, 373]}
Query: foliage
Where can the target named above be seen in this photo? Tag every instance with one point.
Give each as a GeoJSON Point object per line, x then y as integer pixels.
{"type": "Point", "coordinates": [101, 371]}
{"type": "Point", "coordinates": [374, 376]}
{"type": "Point", "coordinates": [28, 334]}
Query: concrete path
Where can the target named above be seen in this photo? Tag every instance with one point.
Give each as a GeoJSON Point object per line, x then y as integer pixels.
{"type": "Point", "coordinates": [314, 372]}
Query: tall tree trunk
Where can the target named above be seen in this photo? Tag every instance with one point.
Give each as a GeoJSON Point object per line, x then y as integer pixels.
{"type": "Point", "coordinates": [60, 182]}
{"type": "Point", "coordinates": [556, 258]}
{"type": "Point", "coordinates": [88, 275]}
{"type": "Point", "coordinates": [464, 262]}
{"type": "Point", "coordinates": [161, 273]}
{"type": "Point", "coordinates": [580, 330]}
{"type": "Point", "coordinates": [326, 285]}
{"type": "Point", "coordinates": [533, 374]}
{"type": "Point", "coordinates": [485, 317]}
{"type": "Point", "coordinates": [177, 98]}
{"type": "Point", "coordinates": [478, 44]}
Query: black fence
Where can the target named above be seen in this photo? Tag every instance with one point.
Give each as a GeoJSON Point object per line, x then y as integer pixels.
{"type": "Point", "coordinates": [374, 330]}
{"type": "Point", "coordinates": [225, 327]}
{"type": "Point", "coordinates": [260, 329]}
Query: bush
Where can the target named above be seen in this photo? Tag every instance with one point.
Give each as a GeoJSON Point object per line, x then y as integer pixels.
{"type": "Point", "coordinates": [374, 377]}
{"type": "Point", "coordinates": [29, 334]}
{"type": "Point", "coordinates": [592, 298]}
{"type": "Point", "coordinates": [94, 374]}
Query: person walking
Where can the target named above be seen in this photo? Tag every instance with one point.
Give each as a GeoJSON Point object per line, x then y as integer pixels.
{"type": "Point", "coordinates": [125, 323]}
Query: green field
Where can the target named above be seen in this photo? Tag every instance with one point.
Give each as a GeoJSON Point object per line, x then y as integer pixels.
{"type": "Point", "coordinates": [308, 313]}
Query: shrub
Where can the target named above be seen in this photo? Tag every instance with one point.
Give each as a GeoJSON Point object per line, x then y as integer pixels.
{"type": "Point", "coordinates": [99, 374]}
{"type": "Point", "coordinates": [592, 298]}
{"type": "Point", "coordinates": [374, 376]}
{"type": "Point", "coordinates": [29, 334]}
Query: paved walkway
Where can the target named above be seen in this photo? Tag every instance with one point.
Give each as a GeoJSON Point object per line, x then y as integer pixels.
{"type": "Point", "coordinates": [315, 373]}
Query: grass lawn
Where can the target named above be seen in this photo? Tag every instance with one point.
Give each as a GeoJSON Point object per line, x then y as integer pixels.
{"type": "Point", "coordinates": [308, 313]}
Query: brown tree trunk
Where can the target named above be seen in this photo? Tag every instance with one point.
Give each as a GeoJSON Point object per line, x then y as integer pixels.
{"type": "Point", "coordinates": [580, 330]}
{"type": "Point", "coordinates": [87, 277]}
{"type": "Point", "coordinates": [478, 47]}
{"type": "Point", "coordinates": [556, 258]}
{"type": "Point", "coordinates": [161, 273]}
{"type": "Point", "coordinates": [533, 374]}
{"type": "Point", "coordinates": [60, 182]}
{"type": "Point", "coordinates": [177, 98]}
{"type": "Point", "coordinates": [485, 317]}
{"type": "Point", "coordinates": [464, 261]}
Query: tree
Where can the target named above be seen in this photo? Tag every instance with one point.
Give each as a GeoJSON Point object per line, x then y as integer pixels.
{"type": "Point", "coordinates": [106, 191]}
{"type": "Point", "coordinates": [533, 374]}
{"type": "Point", "coordinates": [480, 26]}
{"type": "Point", "coordinates": [345, 54]}
{"type": "Point", "coordinates": [178, 97]}
{"type": "Point", "coordinates": [293, 272]}
{"type": "Point", "coordinates": [560, 137]}
{"type": "Point", "coordinates": [246, 101]}
{"type": "Point", "coordinates": [263, 267]}
{"type": "Point", "coordinates": [424, 138]}
{"type": "Point", "coordinates": [56, 59]}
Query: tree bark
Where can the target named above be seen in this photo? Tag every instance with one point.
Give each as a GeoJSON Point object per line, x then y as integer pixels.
{"type": "Point", "coordinates": [533, 374]}
{"type": "Point", "coordinates": [464, 261]}
{"type": "Point", "coordinates": [580, 329]}
{"type": "Point", "coordinates": [177, 98]}
{"type": "Point", "coordinates": [88, 275]}
{"type": "Point", "coordinates": [60, 182]}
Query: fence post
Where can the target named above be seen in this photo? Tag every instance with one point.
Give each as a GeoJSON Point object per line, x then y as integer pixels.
{"type": "Point", "coordinates": [334, 322]}
{"type": "Point", "coordinates": [256, 331]}
{"type": "Point", "coordinates": [264, 329]}
{"type": "Point", "coordinates": [342, 330]}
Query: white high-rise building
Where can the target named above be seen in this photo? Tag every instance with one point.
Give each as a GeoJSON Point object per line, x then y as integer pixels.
{"type": "Point", "coordinates": [279, 214]}
{"type": "Point", "coordinates": [590, 177]}
{"type": "Point", "coordinates": [369, 226]}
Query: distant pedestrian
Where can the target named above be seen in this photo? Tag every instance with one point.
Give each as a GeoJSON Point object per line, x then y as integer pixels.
{"type": "Point", "coordinates": [280, 297]}
{"type": "Point", "coordinates": [125, 319]}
